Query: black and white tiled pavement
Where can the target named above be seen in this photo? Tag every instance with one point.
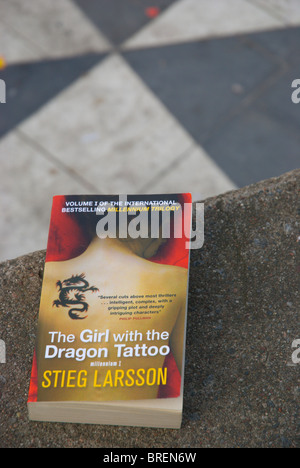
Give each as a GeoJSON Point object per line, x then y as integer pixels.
{"type": "Point", "coordinates": [116, 96]}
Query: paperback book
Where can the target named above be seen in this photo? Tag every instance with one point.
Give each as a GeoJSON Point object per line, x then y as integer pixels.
{"type": "Point", "coordinates": [110, 345]}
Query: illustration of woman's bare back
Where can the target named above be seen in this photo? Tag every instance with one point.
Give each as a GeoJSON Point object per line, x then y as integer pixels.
{"type": "Point", "coordinates": [103, 299]}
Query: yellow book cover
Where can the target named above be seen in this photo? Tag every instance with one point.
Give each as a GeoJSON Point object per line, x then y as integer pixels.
{"type": "Point", "coordinates": [112, 319]}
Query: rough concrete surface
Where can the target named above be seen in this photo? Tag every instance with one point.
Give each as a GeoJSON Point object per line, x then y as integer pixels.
{"type": "Point", "coordinates": [241, 386]}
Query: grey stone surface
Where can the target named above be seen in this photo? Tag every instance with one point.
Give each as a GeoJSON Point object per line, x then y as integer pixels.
{"type": "Point", "coordinates": [233, 95]}
{"type": "Point", "coordinates": [241, 387]}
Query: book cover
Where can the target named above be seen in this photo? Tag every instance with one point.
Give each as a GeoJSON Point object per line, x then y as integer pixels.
{"type": "Point", "coordinates": [112, 319]}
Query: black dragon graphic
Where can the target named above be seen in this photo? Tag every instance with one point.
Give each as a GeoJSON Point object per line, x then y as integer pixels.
{"type": "Point", "coordinates": [71, 294]}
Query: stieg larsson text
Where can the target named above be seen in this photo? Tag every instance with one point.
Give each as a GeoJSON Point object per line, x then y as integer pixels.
{"type": "Point", "coordinates": [111, 378]}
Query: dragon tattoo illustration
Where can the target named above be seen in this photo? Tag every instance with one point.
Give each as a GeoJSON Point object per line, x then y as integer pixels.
{"type": "Point", "coordinates": [71, 293]}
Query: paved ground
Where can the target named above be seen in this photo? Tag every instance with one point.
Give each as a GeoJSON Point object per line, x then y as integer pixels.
{"type": "Point", "coordinates": [111, 96]}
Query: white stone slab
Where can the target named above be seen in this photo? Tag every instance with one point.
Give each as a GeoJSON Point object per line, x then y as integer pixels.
{"type": "Point", "coordinates": [110, 127]}
{"type": "Point", "coordinates": [194, 172]}
{"type": "Point", "coordinates": [28, 181]}
{"type": "Point", "coordinates": [55, 28]}
{"type": "Point", "coordinates": [190, 20]}
{"type": "Point", "coordinates": [14, 48]}
{"type": "Point", "coordinates": [286, 10]}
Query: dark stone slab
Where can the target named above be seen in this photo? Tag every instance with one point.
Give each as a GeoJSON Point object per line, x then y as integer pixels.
{"type": "Point", "coordinates": [120, 19]}
{"type": "Point", "coordinates": [283, 44]}
{"type": "Point", "coordinates": [201, 82]}
{"type": "Point", "coordinates": [255, 145]}
{"type": "Point", "coordinates": [241, 386]}
{"type": "Point", "coordinates": [233, 95]}
{"type": "Point", "coordinates": [31, 85]}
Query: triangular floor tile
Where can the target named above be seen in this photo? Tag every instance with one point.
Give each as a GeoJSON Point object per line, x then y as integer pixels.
{"type": "Point", "coordinates": [119, 19]}
{"type": "Point", "coordinates": [29, 86]}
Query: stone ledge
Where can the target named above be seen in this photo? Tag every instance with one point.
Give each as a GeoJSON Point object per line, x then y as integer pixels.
{"type": "Point", "coordinates": [241, 389]}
